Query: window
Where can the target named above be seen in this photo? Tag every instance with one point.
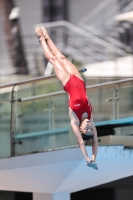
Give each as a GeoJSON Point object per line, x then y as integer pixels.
{"type": "Point", "coordinates": [54, 10]}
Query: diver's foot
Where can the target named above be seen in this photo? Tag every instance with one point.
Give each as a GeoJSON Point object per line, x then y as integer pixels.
{"type": "Point", "coordinates": [39, 34]}
{"type": "Point", "coordinates": [45, 33]}
{"type": "Point", "coordinates": [92, 164]}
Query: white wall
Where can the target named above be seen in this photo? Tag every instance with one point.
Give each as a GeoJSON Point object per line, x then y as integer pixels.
{"type": "Point", "coordinates": [78, 9]}
{"type": "Point", "coordinates": [30, 14]}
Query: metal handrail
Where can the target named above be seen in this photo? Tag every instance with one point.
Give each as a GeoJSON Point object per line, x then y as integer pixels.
{"type": "Point", "coordinates": [35, 80]}
{"type": "Point", "coordinates": [84, 24]}
{"type": "Point", "coordinates": [62, 92]}
{"type": "Point", "coordinates": [40, 96]}
{"type": "Point", "coordinates": [53, 76]}
{"type": "Point", "coordinates": [79, 30]}
{"type": "Point", "coordinates": [110, 39]}
{"type": "Point", "coordinates": [83, 32]}
{"type": "Point", "coordinates": [110, 14]}
{"type": "Point", "coordinates": [96, 10]}
{"type": "Point", "coordinates": [103, 4]}
{"type": "Point", "coordinates": [27, 81]}
{"type": "Point", "coordinates": [94, 53]}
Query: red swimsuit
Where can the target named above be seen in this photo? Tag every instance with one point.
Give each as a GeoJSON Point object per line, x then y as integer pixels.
{"type": "Point", "coordinates": [78, 101]}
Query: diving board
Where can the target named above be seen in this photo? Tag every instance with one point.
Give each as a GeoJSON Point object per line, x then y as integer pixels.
{"type": "Point", "coordinates": [107, 127]}
{"type": "Point", "coordinates": [45, 132]}
{"type": "Point", "coordinates": [116, 122]}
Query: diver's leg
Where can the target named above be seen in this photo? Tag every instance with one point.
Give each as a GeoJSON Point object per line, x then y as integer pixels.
{"type": "Point", "coordinates": [69, 67]}
{"type": "Point", "coordinates": [61, 73]}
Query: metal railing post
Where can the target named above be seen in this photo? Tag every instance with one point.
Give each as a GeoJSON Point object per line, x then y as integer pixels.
{"type": "Point", "coordinates": [49, 114]}
{"type": "Point", "coordinates": [116, 102]}
{"type": "Point", "coordinates": [12, 122]}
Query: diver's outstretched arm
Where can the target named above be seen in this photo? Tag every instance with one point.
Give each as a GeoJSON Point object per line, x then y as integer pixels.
{"type": "Point", "coordinates": [95, 141]}
{"type": "Point", "coordinates": [80, 140]}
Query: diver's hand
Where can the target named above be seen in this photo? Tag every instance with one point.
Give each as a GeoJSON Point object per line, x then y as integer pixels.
{"type": "Point", "coordinates": [92, 164]}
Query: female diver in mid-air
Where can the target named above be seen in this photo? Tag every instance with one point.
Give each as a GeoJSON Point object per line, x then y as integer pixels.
{"type": "Point", "coordinates": [80, 110]}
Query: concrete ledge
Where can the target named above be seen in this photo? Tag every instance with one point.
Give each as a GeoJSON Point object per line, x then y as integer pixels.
{"type": "Point", "coordinates": [64, 170]}
{"type": "Point", "coordinates": [116, 140]}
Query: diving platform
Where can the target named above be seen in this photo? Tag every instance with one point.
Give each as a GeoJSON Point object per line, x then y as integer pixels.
{"type": "Point", "coordinates": [64, 170]}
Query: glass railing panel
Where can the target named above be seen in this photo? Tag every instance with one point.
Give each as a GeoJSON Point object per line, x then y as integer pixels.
{"type": "Point", "coordinates": [42, 114]}
{"type": "Point", "coordinates": [125, 102]}
{"type": "Point", "coordinates": [39, 119]}
{"type": "Point", "coordinates": [50, 141]}
{"type": "Point", "coordinates": [43, 124]}
{"type": "Point", "coordinates": [5, 116]}
{"type": "Point", "coordinates": [31, 116]}
{"type": "Point", "coordinates": [38, 88]}
{"type": "Point", "coordinates": [102, 105]}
